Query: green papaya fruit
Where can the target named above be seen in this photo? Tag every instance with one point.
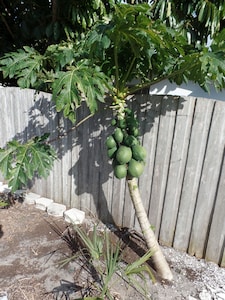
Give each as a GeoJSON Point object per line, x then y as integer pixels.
{"type": "Point", "coordinates": [110, 142]}
{"type": "Point", "coordinates": [118, 135]}
{"type": "Point", "coordinates": [112, 152]}
{"type": "Point", "coordinates": [123, 154]}
{"type": "Point", "coordinates": [120, 171]}
{"type": "Point", "coordinates": [135, 168]}
{"type": "Point", "coordinates": [139, 152]}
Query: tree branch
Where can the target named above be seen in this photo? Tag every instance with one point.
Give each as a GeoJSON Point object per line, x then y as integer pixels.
{"type": "Point", "coordinates": [71, 129]}
{"type": "Point", "coordinates": [7, 25]}
{"type": "Point", "coordinates": [54, 10]}
{"type": "Point", "coordinates": [138, 87]}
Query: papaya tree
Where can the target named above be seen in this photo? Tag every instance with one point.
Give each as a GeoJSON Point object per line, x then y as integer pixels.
{"type": "Point", "coordinates": [126, 51]}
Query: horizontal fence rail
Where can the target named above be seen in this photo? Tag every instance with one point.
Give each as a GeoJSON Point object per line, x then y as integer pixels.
{"type": "Point", "coordinates": [183, 185]}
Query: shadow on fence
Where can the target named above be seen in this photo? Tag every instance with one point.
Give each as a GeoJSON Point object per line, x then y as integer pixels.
{"type": "Point", "coordinates": [89, 167]}
{"type": "Point", "coordinates": [183, 183]}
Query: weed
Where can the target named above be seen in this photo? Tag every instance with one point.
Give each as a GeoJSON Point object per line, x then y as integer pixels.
{"type": "Point", "coordinates": [103, 260]}
{"type": "Point", "coordinates": [3, 203]}
{"type": "Point", "coordinates": [8, 199]}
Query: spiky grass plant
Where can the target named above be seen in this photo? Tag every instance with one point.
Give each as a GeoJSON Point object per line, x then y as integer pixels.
{"type": "Point", "coordinates": [103, 260]}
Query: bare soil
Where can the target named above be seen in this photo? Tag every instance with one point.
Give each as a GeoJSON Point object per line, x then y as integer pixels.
{"type": "Point", "coordinates": [32, 245]}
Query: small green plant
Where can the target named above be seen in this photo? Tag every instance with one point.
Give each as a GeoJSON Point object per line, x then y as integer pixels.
{"type": "Point", "coordinates": [7, 199]}
{"type": "Point", "coordinates": [94, 246]}
{"type": "Point", "coordinates": [111, 259]}
{"type": "Point", "coordinates": [103, 259]}
{"type": "Point", "coordinates": [138, 268]}
{"type": "Point", "coordinates": [3, 203]}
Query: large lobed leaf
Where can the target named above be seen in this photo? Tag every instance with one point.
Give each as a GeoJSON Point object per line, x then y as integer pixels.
{"type": "Point", "coordinates": [133, 45]}
{"type": "Point", "coordinates": [63, 71]}
{"type": "Point", "coordinates": [205, 67]}
{"type": "Point", "coordinates": [24, 64]}
{"type": "Point", "coordinates": [79, 83]}
{"type": "Point", "coordinates": [19, 163]}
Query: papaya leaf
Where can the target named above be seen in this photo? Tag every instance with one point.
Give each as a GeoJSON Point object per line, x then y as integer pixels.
{"type": "Point", "coordinates": [24, 65]}
{"type": "Point", "coordinates": [83, 82]}
{"type": "Point", "coordinates": [19, 163]}
{"type": "Point", "coordinates": [60, 55]}
{"type": "Point", "coordinates": [133, 45]}
{"type": "Point", "coordinates": [6, 157]}
{"type": "Point", "coordinates": [213, 66]}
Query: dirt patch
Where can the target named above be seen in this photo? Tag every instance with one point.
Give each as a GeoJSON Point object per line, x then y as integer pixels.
{"type": "Point", "coordinates": [31, 249]}
{"type": "Point", "coordinates": [29, 252]}
{"type": "Point", "coordinates": [33, 245]}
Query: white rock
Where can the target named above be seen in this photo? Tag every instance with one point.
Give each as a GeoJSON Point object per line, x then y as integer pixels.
{"type": "Point", "coordinates": [30, 198]}
{"type": "Point", "coordinates": [204, 295]}
{"type": "Point", "coordinates": [3, 296]}
{"type": "Point", "coordinates": [4, 188]}
{"type": "Point", "coordinates": [192, 298]}
{"type": "Point", "coordinates": [56, 209]}
{"type": "Point", "coordinates": [20, 192]}
{"type": "Point", "coordinates": [43, 203]}
{"type": "Point", "coordinates": [74, 216]}
{"type": "Point", "coordinates": [220, 296]}
{"type": "Point", "coordinates": [211, 289]}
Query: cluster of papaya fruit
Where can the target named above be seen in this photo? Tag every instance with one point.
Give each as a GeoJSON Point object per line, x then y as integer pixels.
{"type": "Point", "coordinates": [124, 147]}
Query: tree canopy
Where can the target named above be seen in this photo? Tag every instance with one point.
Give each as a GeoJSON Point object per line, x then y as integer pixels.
{"type": "Point", "coordinates": [200, 19]}
{"type": "Point", "coordinates": [44, 25]}
{"type": "Point", "coordinates": [84, 52]}
{"type": "Point", "coordinates": [40, 23]}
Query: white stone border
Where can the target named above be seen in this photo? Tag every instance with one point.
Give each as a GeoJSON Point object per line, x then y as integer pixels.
{"type": "Point", "coordinates": [72, 215]}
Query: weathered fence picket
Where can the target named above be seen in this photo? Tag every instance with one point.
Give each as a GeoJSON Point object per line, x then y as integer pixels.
{"type": "Point", "coordinates": [195, 157]}
{"type": "Point", "coordinates": [208, 186]}
{"type": "Point", "coordinates": [176, 170]}
{"type": "Point", "coordinates": [216, 240]}
{"type": "Point", "coordinates": [183, 185]}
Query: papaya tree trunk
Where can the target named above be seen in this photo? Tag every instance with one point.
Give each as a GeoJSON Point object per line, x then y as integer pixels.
{"type": "Point", "coordinates": [160, 263]}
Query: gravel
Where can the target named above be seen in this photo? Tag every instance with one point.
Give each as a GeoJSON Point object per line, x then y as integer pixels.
{"type": "Point", "coordinates": [194, 279]}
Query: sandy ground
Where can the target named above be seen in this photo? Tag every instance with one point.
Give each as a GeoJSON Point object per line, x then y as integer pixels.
{"type": "Point", "coordinates": [31, 249]}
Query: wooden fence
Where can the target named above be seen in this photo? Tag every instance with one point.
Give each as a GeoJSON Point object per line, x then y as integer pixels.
{"type": "Point", "coordinates": [183, 186]}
